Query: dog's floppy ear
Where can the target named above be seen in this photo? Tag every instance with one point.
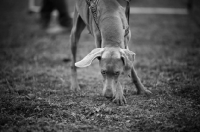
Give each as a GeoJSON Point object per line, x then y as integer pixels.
{"type": "Point", "coordinates": [87, 60]}
{"type": "Point", "coordinates": [128, 57]}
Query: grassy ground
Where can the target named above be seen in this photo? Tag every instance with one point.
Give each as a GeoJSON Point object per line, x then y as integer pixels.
{"type": "Point", "coordinates": [35, 81]}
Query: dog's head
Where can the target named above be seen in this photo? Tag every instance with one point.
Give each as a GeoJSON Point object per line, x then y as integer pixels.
{"type": "Point", "coordinates": [113, 63]}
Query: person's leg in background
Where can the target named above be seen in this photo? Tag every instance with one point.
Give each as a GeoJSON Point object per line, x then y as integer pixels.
{"type": "Point", "coordinates": [64, 19]}
{"type": "Point", "coordinates": [45, 13]}
{"type": "Point", "coordinates": [64, 16]}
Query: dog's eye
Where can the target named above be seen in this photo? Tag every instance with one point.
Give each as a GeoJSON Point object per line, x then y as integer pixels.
{"type": "Point", "coordinates": [103, 72]}
{"type": "Point", "coordinates": [117, 73]}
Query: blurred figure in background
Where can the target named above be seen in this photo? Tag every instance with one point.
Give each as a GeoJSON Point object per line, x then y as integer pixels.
{"type": "Point", "coordinates": [64, 19]}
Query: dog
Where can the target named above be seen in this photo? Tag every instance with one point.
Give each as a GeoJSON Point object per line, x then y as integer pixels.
{"type": "Point", "coordinates": [108, 25]}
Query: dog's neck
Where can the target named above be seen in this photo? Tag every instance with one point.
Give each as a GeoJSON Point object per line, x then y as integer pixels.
{"type": "Point", "coordinates": [112, 32]}
{"type": "Point", "coordinates": [110, 24]}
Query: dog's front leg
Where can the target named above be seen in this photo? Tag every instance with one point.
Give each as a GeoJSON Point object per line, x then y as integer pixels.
{"type": "Point", "coordinates": [78, 26]}
{"type": "Point", "coordinates": [119, 95]}
{"type": "Point", "coordinates": [139, 86]}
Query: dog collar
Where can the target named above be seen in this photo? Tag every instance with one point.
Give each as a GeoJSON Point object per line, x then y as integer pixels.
{"type": "Point", "coordinates": [92, 4]}
{"type": "Point", "coordinates": [126, 31]}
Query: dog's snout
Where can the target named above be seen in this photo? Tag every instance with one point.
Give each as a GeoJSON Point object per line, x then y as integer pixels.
{"type": "Point", "coordinates": [108, 93]}
{"type": "Point", "coordinates": [108, 87]}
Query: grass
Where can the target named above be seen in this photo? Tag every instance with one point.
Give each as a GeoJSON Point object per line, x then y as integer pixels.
{"type": "Point", "coordinates": [35, 81]}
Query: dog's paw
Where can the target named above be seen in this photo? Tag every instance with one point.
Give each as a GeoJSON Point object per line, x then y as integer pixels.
{"type": "Point", "coordinates": [75, 87]}
{"type": "Point", "coordinates": [142, 89]}
{"type": "Point", "coordinates": [119, 100]}
{"type": "Point", "coordinates": [147, 92]}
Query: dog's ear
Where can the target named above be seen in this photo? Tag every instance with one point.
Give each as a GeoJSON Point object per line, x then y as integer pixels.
{"type": "Point", "coordinates": [87, 60]}
{"type": "Point", "coordinates": [128, 57]}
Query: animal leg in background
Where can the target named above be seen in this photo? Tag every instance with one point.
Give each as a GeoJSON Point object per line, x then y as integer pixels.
{"type": "Point", "coordinates": [78, 26]}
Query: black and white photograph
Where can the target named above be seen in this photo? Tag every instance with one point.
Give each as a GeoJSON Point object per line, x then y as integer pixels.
{"type": "Point", "coordinates": [99, 65]}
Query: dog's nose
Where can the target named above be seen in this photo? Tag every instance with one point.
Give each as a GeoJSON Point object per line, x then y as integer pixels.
{"type": "Point", "coordinates": [108, 93]}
